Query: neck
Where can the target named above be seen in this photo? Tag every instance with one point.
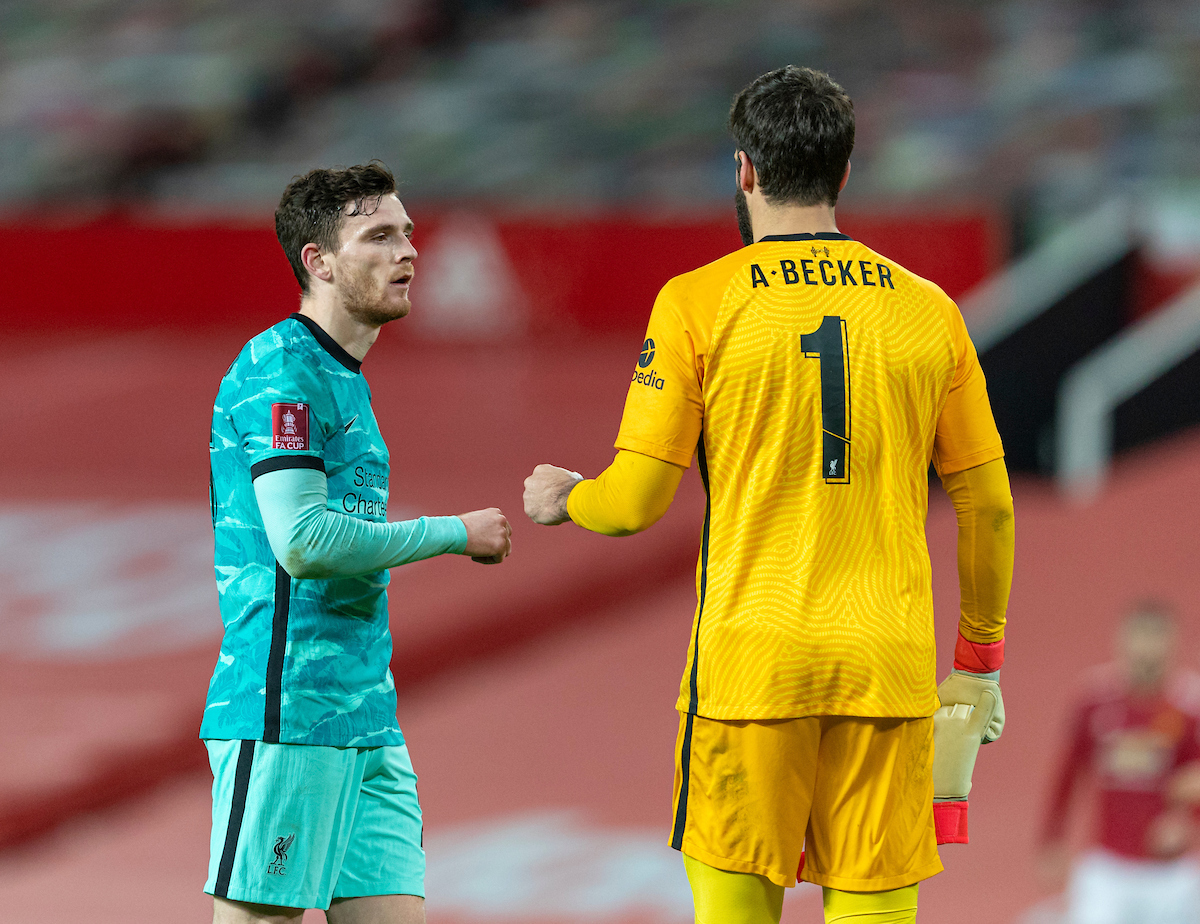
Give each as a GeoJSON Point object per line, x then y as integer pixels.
{"type": "Point", "coordinates": [1146, 689]}
{"type": "Point", "coordinates": [790, 219]}
{"type": "Point", "coordinates": [352, 335]}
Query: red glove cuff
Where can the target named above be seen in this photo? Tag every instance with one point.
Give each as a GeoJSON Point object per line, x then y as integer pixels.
{"type": "Point", "coordinates": [950, 822]}
{"type": "Point", "coordinates": [977, 658]}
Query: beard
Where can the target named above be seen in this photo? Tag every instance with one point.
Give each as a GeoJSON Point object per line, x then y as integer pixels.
{"type": "Point", "coordinates": [364, 302]}
{"type": "Point", "coordinates": [743, 218]}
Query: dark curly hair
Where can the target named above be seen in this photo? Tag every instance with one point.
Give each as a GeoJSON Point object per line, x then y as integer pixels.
{"type": "Point", "coordinates": [797, 127]}
{"type": "Point", "coordinates": [313, 207]}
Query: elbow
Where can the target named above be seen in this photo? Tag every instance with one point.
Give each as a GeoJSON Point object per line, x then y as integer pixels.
{"type": "Point", "coordinates": [632, 522]}
{"type": "Point", "coordinates": [992, 509]}
{"type": "Point", "coordinates": [302, 564]}
{"type": "Point", "coordinates": [1000, 514]}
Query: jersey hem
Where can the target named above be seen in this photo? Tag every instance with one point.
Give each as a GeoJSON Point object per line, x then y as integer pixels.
{"type": "Point", "coordinates": [414, 885]}
{"type": "Point", "coordinates": [973, 460]}
{"type": "Point", "coordinates": [738, 866]}
{"type": "Point", "coordinates": [656, 451]}
{"type": "Point", "coordinates": [259, 897]}
{"type": "Point", "coordinates": [742, 713]}
{"type": "Point", "coordinates": [881, 884]}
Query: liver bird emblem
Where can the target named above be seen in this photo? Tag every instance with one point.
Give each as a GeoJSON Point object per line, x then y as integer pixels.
{"type": "Point", "coordinates": [281, 847]}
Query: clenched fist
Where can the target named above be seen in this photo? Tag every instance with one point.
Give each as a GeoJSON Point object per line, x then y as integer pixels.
{"type": "Point", "coordinates": [546, 492]}
{"type": "Point", "coordinates": [489, 537]}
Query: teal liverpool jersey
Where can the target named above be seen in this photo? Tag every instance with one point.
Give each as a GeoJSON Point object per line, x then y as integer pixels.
{"type": "Point", "coordinates": [302, 661]}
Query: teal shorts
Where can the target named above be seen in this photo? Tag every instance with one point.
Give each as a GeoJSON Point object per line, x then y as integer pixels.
{"type": "Point", "coordinates": [300, 825]}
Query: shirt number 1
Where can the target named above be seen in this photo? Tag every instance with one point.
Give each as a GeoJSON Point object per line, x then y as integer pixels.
{"type": "Point", "coordinates": [829, 344]}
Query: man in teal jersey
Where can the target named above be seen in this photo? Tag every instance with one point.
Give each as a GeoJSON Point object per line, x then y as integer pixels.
{"type": "Point", "coordinates": [314, 796]}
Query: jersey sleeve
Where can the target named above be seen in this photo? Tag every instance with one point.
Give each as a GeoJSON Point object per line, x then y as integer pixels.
{"type": "Point", "coordinates": [284, 415]}
{"type": "Point", "coordinates": [664, 409]}
{"type": "Point", "coordinates": [966, 434]}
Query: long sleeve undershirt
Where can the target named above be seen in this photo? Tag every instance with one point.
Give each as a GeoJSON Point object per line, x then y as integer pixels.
{"type": "Point", "coordinates": [311, 541]}
{"type": "Point", "coordinates": [986, 536]}
{"type": "Point", "coordinates": [630, 495]}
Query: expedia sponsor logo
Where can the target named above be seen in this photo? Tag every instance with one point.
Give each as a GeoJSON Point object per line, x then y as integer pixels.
{"type": "Point", "coordinates": [649, 379]}
{"type": "Point", "coordinates": [647, 355]}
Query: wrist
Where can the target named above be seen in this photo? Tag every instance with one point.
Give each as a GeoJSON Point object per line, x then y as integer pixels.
{"type": "Point", "coordinates": [566, 493]}
{"type": "Point", "coordinates": [980, 675]}
{"type": "Point", "coordinates": [564, 501]}
{"type": "Point", "coordinates": [456, 535]}
{"type": "Point", "coordinates": [978, 657]}
{"type": "Point", "coordinates": [950, 821]}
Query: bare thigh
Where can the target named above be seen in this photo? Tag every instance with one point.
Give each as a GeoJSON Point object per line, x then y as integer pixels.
{"type": "Point", "coordinates": [377, 909]}
{"type": "Point", "coordinates": [231, 912]}
{"type": "Point", "coordinates": [371, 909]}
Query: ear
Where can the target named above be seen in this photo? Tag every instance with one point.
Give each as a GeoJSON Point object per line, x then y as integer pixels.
{"type": "Point", "coordinates": [845, 177]}
{"type": "Point", "coordinates": [747, 178]}
{"type": "Point", "coordinates": [316, 262]}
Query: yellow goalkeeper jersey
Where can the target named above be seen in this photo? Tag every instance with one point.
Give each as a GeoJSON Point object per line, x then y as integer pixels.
{"type": "Point", "coordinates": [815, 380]}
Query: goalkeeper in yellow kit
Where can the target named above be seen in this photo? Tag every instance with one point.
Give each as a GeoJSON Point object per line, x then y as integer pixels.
{"type": "Point", "coordinates": [815, 381]}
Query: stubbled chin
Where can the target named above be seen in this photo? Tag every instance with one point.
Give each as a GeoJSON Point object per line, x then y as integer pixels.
{"type": "Point", "coordinates": [381, 313]}
{"type": "Point", "coordinates": [395, 312]}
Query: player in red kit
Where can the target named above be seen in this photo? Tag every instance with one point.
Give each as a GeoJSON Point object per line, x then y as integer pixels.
{"type": "Point", "coordinates": [1136, 733]}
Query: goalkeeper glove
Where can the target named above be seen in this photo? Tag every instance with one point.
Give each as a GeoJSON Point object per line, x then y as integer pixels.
{"type": "Point", "coordinates": [972, 713]}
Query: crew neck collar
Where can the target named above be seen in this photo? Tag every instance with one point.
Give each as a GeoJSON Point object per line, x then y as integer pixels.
{"type": "Point", "coordinates": [820, 236]}
{"type": "Point", "coordinates": [331, 346]}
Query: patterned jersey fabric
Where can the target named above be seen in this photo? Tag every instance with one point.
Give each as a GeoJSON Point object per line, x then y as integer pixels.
{"type": "Point", "coordinates": [302, 661]}
{"type": "Point", "coordinates": [816, 381]}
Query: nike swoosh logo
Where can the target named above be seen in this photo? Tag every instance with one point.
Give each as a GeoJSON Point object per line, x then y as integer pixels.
{"type": "Point", "coordinates": [346, 429]}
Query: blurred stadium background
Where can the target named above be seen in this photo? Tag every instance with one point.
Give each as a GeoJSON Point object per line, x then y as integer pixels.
{"type": "Point", "coordinates": [1037, 158]}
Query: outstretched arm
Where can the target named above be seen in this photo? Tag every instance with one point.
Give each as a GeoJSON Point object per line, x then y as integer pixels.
{"type": "Point", "coordinates": [627, 497]}
{"type": "Point", "coordinates": [311, 541]}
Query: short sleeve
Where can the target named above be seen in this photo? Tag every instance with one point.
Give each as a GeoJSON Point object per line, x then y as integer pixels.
{"type": "Point", "coordinates": [283, 415]}
{"type": "Point", "coordinates": [664, 409]}
{"type": "Point", "coordinates": [966, 434]}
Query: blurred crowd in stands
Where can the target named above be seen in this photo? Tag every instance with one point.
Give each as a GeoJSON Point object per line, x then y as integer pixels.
{"type": "Point", "coordinates": [1042, 107]}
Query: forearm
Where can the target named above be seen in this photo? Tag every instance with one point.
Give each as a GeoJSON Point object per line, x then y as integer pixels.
{"type": "Point", "coordinates": [1071, 769]}
{"type": "Point", "coordinates": [986, 539]}
{"type": "Point", "coordinates": [311, 541]}
{"type": "Point", "coordinates": [627, 497]}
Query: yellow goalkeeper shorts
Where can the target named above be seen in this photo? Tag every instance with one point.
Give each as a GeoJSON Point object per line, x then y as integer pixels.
{"type": "Point", "coordinates": [851, 796]}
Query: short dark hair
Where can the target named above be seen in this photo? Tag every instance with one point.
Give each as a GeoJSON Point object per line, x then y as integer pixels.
{"type": "Point", "coordinates": [313, 208]}
{"type": "Point", "coordinates": [797, 127]}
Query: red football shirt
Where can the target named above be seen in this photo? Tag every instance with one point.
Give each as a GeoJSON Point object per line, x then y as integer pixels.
{"type": "Point", "coordinates": [1131, 746]}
